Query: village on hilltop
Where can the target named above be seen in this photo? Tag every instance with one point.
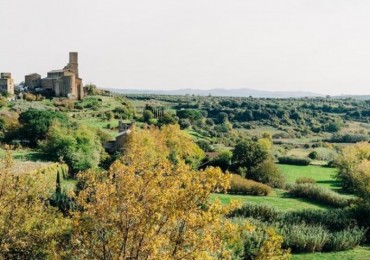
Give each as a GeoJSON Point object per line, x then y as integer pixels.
{"type": "Point", "coordinates": [59, 83]}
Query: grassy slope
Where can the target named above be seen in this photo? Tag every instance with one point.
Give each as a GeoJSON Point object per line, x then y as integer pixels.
{"type": "Point", "coordinates": [359, 253]}
{"type": "Point", "coordinates": [277, 199]}
{"type": "Point", "coordinates": [324, 177]}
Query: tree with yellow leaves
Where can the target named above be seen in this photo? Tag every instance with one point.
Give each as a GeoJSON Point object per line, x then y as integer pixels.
{"type": "Point", "coordinates": [349, 161]}
{"type": "Point", "coordinates": [150, 204]}
{"type": "Point", "coordinates": [167, 143]}
{"type": "Point", "coordinates": [147, 207]}
{"type": "Point", "coordinates": [29, 228]}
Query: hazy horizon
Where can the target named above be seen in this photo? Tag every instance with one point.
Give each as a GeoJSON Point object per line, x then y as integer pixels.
{"type": "Point", "coordinates": [319, 46]}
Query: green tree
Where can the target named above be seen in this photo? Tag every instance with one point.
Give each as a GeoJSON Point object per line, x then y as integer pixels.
{"type": "Point", "coordinates": [167, 119]}
{"type": "Point", "coordinates": [191, 114]}
{"type": "Point", "coordinates": [147, 115]}
{"type": "Point", "coordinates": [35, 123]}
{"type": "Point", "coordinates": [223, 160]}
{"type": "Point", "coordinates": [222, 118]}
{"type": "Point", "coordinates": [109, 115]}
{"type": "Point", "coordinates": [267, 172]}
{"type": "Point", "coordinates": [91, 89]}
{"type": "Point", "coordinates": [76, 145]}
{"type": "Point", "coordinates": [248, 154]}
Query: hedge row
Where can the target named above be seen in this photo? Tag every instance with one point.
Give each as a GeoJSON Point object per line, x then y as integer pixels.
{"type": "Point", "coordinates": [305, 231]}
{"type": "Point", "coordinates": [294, 160]}
{"type": "Point", "coordinates": [240, 185]}
{"type": "Point", "coordinates": [318, 194]}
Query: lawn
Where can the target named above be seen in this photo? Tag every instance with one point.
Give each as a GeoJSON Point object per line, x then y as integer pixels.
{"type": "Point", "coordinates": [324, 176]}
{"type": "Point", "coordinates": [359, 253]}
{"type": "Point", "coordinates": [278, 199]}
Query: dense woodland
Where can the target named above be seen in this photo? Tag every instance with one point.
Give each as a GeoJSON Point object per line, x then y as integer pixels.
{"type": "Point", "coordinates": [198, 177]}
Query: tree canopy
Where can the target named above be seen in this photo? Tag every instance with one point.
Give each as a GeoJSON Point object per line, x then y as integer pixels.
{"type": "Point", "coordinates": [35, 123]}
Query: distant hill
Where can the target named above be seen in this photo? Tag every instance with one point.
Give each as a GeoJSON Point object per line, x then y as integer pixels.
{"type": "Point", "coordinates": [244, 92]}
{"type": "Point", "coordinates": [358, 97]}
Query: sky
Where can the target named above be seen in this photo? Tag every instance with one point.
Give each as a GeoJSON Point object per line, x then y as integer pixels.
{"type": "Point", "coordinates": [321, 46]}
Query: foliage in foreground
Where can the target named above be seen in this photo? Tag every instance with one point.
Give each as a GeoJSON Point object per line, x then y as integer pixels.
{"type": "Point", "coordinates": [309, 230]}
{"type": "Point", "coordinates": [29, 227]}
{"type": "Point", "coordinates": [149, 204]}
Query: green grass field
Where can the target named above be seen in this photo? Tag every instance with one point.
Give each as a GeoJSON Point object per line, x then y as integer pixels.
{"type": "Point", "coordinates": [324, 176]}
{"type": "Point", "coordinates": [359, 253]}
{"type": "Point", "coordinates": [101, 124]}
{"type": "Point", "coordinates": [278, 199]}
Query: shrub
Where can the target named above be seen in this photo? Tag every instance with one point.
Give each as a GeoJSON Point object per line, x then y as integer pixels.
{"type": "Point", "coordinates": [147, 116]}
{"type": "Point", "coordinates": [239, 185]}
{"type": "Point", "coordinates": [349, 138]}
{"type": "Point", "coordinates": [260, 212]}
{"type": "Point", "coordinates": [303, 180]}
{"type": "Point", "coordinates": [318, 194]}
{"type": "Point", "coordinates": [29, 97]}
{"type": "Point", "coordinates": [36, 123]}
{"type": "Point", "coordinates": [267, 172]}
{"type": "Point", "coordinates": [303, 231]}
{"type": "Point", "coordinates": [223, 160]}
{"type": "Point", "coordinates": [281, 135]}
{"type": "Point", "coordinates": [78, 146]}
{"type": "Point", "coordinates": [249, 154]}
{"type": "Point", "coordinates": [89, 102]}
{"type": "Point", "coordinates": [313, 155]}
{"type": "Point", "coordinates": [191, 114]}
{"type": "Point", "coordinates": [3, 102]}
{"type": "Point", "coordinates": [294, 160]}
{"type": "Point", "coordinates": [264, 243]}
{"type": "Point", "coordinates": [205, 145]}
{"type": "Point", "coordinates": [353, 168]}
{"type": "Point", "coordinates": [345, 239]}
{"type": "Point", "coordinates": [304, 238]}
{"type": "Point", "coordinates": [333, 220]}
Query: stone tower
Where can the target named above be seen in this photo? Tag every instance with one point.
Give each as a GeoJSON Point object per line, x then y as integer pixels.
{"type": "Point", "coordinates": [73, 62]}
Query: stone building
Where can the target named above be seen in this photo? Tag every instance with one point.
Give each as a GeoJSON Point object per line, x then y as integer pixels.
{"type": "Point", "coordinates": [32, 81]}
{"type": "Point", "coordinates": [6, 83]}
{"type": "Point", "coordinates": [62, 83]}
{"type": "Point", "coordinates": [117, 145]}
